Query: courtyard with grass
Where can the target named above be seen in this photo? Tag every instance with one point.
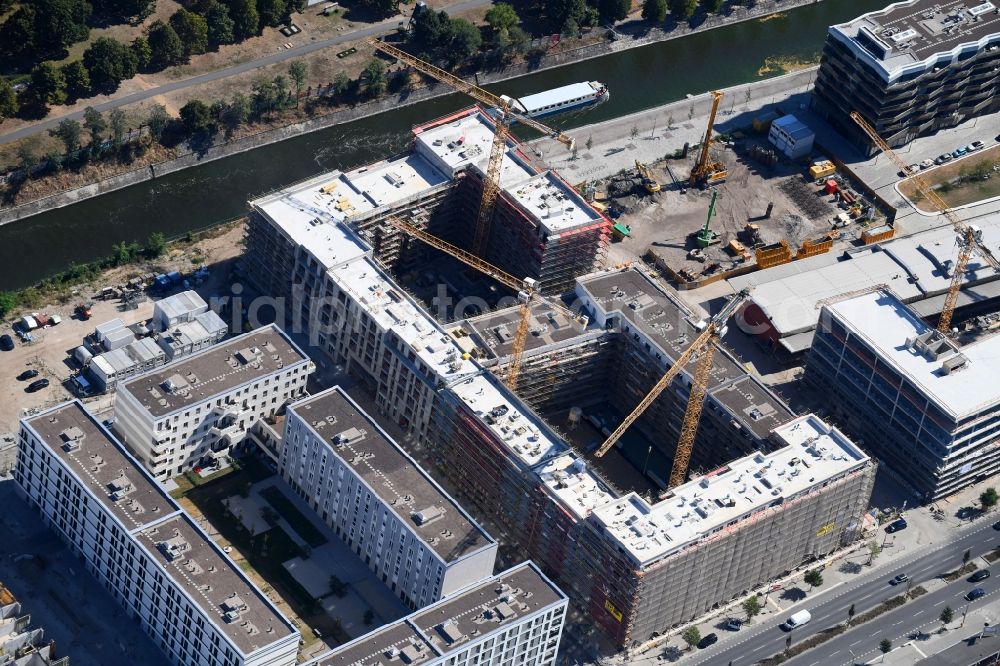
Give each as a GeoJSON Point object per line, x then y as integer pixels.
{"type": "Point", "coordinates": [970, 179]}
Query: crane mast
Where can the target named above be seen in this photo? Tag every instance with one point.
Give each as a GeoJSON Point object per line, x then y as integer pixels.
{"type": "Point", "coordinates": [969, 237]}
{"type": "Point", "coordinates": [705, 169]}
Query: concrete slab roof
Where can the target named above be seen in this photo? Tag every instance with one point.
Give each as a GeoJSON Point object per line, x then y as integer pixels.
{"type": "Point", "coordinates": [215, 371]}
{"type": "Point", "coordinates": [391, 474]}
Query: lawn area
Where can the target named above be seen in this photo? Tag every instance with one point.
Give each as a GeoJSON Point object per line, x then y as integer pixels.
{"type": "Point", "coordinates": [945, 180]}
{"type": "Point", "coordinates": [300, 523]}
{"type": "Point", "coordinates": [251, 471]}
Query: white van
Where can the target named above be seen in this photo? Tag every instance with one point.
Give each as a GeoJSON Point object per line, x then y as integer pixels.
{"type": "Point", "coordinates": [797, 619]}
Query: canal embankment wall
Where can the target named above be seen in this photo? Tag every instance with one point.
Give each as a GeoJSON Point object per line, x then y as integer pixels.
{"type": "Point", "coordinates": [630, 35]}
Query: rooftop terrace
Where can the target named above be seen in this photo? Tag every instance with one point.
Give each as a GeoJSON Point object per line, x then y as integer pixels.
{"type": "Point", "coordinates": [452, 622]}
{"type": "Point", "coordinates": [395, 477]}
{"type": "Point", "coordinates": [110, 474]}
{"type": "Point", "coordinates": [812, 453]}
{"type": "Point", "coordinates": [215, 583]}
{"type": "Point", "coordinates": [921, 33]}
{"type": "Point", "coordinates": [215, 371]}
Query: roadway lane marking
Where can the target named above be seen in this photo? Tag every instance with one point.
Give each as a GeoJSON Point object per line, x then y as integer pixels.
{"type": "Point", "coordinates": [855, 643]}
{"type": "Point", "coordinates": [940, 602]}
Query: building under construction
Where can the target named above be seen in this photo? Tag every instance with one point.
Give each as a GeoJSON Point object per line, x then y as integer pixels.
{"type": "Point", "coordinates": [541, 227]}
{"type": "Point", "coordinates": [516, 470]}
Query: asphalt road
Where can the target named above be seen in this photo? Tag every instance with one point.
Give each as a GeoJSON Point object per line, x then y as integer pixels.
{"type": "Point", "coordinates": [289, 54]}
{"type": "Point", "coordinates": [764, 638]}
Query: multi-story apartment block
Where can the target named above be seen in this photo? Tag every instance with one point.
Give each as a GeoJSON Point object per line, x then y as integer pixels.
{"type": "Point", "coordinates": [927, 407]}
{"type": "Point", "coordinates": [912, 68]}
{"type": "Point", "coordinates": [515, 617]}
{"type": "Point", "coordinates": [499, 455]}
{"type": "Point", "coordinates": [542, 228]}
{"type": "Point", "coordinates": [192, 412]}
{"type": "Point", "coordinates": [192, 600]}
{"type": "Point", "coordinates": [380, 502]}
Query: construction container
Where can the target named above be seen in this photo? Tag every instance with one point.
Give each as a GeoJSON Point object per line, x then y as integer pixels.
{"type": "Point", "coordinates": [736, 247]}
{"type": "Point", "coordinates": [762, 123]}
{"type": "Point", "coordinates": [621, 231]}
{"type": "Point", "coordinates": [822, 169]}
{"type": "Point", "coordinates": [812, 248]}
{"type": "Point", "coordinates": [831, 186]}
{"type": "Point", "coordinates": [774, 255]}
{"type": "Point", "coordinates": [877, 234]}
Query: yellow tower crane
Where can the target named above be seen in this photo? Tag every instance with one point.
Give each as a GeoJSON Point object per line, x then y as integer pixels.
{"type": "Point", "coordinates": [969, 237]}
{"type": "Point", "coordinates": [704, 349]}
{"type": "Point", "coordinates": [502, 104]}
{"type": "Point", "coordinates": [526, 288]}
{"type": "Point", "coordinates": [708, 171]}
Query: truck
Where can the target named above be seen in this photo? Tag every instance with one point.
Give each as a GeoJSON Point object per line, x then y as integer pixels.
{"type": "Point", "coordinates": [797, 619]}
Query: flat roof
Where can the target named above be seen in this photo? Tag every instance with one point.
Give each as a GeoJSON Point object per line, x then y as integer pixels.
{"type": "Point", "coordinates": [180, 304]}
{"type": "Point", "coordinates": [447, 625]}
{"type": "Point", "coordinates": [555, 205]}
{"type": "Point", "coordinates": [107, 471]}
{"type": "Point", "coordinates": [560, 94]}
{"type": "Point", "coordinates": [392, 474]}
{"type": "Point", "coordinates": [214, 371]}
{"type": "Point", "coordinates": [668, 324]}
{"type": "Point", "coordinates": [920, 33]}
{"type": "Point", "coordinates": [393, 309]}
{"type": "Point", "coordinates": [887, 325]}
{"type": "Point", "coordinates": [811, 454]}
{"type": "Point", "coordinates": [197, 565]}
{"type": "Point", "coordinates": [492, 333]}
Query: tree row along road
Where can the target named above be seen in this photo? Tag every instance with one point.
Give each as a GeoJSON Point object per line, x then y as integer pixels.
{"type": "Point", "coordinates": [759, 641]}
{"type": "Point", "coordinates": [355, 35]}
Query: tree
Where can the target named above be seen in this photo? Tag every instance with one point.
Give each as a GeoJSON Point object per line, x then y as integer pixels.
{"type": "Point", "coordinates": [117, 121]}
{"type": "Point", "coordinates": [48, 85]}
{"type": "Point", "coordinates": [464, 39]}
{"type": "Point", "coordinates": [885, 647]}
{"type": "Point", "coordinates": [788, 643]}
{"type": "Point", "coordinates": [67, 131]}
{"type": "Point", "coordinates": [17, 33]}
{"type": "Point", "coordinates": [873, 551]}
{"type": "Point", "coordinates": [429, 29]}
{"type": "Point", "coordinates": [691, 636]}
{"type": "Point", "coordinates": [221, 29]}
{"type": "Point", "coordinates": [613, 10]}
{"type": "Point", "coordinates": [947, 615]}
{"type": "Point", "coordinates": [634, 132]}
{"type": "Point", "coordinates": [94, 123]}
{"type": "Point", "coordinates": [8, 301]}
{"type": "Point", "coordinates": [850, 615]}
{"type": "Point", "coordinates": [236, 113]}
{"type": "Point", "coordinates": [8, 100]}
{"type": "Point", "coordinates": [298, 70]}
{"type": "Point", "coordinates": [281, 91]}
{"type": "Point", "coordinates": [165, 45]}
{"type": "Point", "coordinates": [340, 84]}
{"type": "Point", "coordinates": [157, 121]}
{"type": "Point", "coordinates": [246, 20]}
{"type": "Point", "coordinates": [59, 23]}
{"type": "Point", "coordinates": [196, 116]}
{"type": "Point", "coordinates": [265, 98]}
{"type": "Point", "coordinates": [143, 53]}
{"type": "Point", "coordinates": [814, 578]}
{"type": "Point", "coordinates": [382, 8]}
{"type": "Point", "coordinates": [590, 142]}
{"type": "Point", "coordinates": [502, 17]}
{"type": "Point", "coordinates": [192, 31]}
{"type": "Point", "coordinates": [560, 12]}
{"type": "Point", "coordinates": [966, 556]}
{"type": "Point", "coordinates": [271, 11]}
{"type": "Point", "coordinates": [156, 245]}
{"type": "Point", "coordinates": [374, 77]}
{"type": "Point", "coordinates": [683, 9]}
{"type": "Point", "coordinates": [124, 10]}
{"type": "Point", "coordinates": [988, 498]}
{"type": "Point", "coordinates": [752, 607]}
{"type": "Point", "coordinates": [654, 10]}
{"type": "Point", "coordinates": [517, 41]}
{"type": "Point", "coordinates": [109, 62]}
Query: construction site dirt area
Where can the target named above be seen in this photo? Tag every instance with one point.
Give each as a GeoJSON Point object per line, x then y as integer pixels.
{"type": "Point", "coordinates": [973, 178]}
{"type": "Point", "coordinates": [666, 224]}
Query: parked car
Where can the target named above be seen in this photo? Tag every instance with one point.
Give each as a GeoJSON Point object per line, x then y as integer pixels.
{"type": "Point", "coordinates": [926, 164]}
{"type": "Point", "coordinates": [958, 152]}
{"type": "Point", "coordinates": [896, 526]}
{"type": "Point", "coordinates": [26, 375]}
{"type": "Point", "coordinates": [37, 386]}
{"type": "Point", "coordinates": [711, 639]}
{"type": "Point", "coordinates": [975, 593]}
{"type": "Point", "coordinates": [901, 578]}
{"type": "Point", "coordinates": [6, 342]}
{"type": "Point", "coordinates": [980, 575]}
{"type": "Point", "coordinates": [975, 145]}
{"type": "Point", "coordinates": [734, 624]}
{"type": "Point", "coordinates": [941, 159]}
{"type": "Point", "coordinates": [996, 525]}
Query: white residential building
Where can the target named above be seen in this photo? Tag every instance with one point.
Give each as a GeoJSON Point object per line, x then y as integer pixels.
{"type": "Point", "coordinates": [512, 619]}
{"type": "Point", "coordinates": [192, 412]}
{"type": "Point", "coordinates": [192, 600]}
{"type": "Point", "coordinates": [415, 537]}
